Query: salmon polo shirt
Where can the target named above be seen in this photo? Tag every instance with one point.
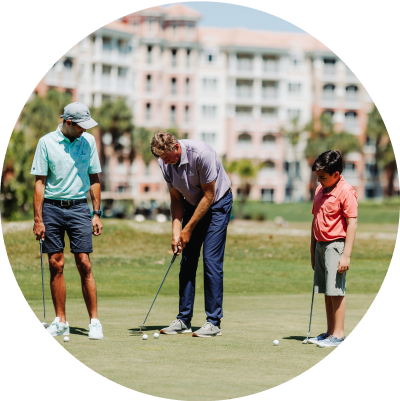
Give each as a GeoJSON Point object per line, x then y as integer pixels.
{"type": "Point", "coordinates": [331, 209]}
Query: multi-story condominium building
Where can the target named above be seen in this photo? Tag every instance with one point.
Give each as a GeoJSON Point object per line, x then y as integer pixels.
{"type": "Point", "coordinates": [242, 91]}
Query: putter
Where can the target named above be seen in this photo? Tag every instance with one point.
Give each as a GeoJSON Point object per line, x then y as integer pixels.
{"type": "Point", "coordinates": [139, 331]}
{"type": "Point", "coordinates": [45, 325]}
{"type": "Point", "coordinates": [309, 327]}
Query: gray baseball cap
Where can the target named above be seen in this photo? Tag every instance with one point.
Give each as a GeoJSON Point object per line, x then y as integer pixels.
{"type": "Point", "coordinates": [79, 113]}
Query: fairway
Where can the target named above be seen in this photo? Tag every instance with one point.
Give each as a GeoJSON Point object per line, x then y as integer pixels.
{"type": "Point", "coordinates": [267, 296]}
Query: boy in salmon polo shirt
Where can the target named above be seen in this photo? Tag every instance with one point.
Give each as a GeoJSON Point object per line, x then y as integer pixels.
{"type": "Point", "coordinates": [332, 237]}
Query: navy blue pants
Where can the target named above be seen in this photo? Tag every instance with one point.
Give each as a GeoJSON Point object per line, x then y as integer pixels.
{"type": "Point", "coordinates": [210, 231]}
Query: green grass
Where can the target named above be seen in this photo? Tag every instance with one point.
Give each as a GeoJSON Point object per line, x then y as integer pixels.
{"type": "Point", "coordinates": [267, 294]}
{"type": "Point", "coordinates": [368, 212]}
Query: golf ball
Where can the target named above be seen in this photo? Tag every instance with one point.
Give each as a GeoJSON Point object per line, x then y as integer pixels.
{"type": "Point", "coordinates": [276, 342]}
{"type": "Point", "coordinates": [145, 337]}
{"type": "Point", "coordinates": [321, 345]}
{"type": "Point", "coordinates": [156, 335]}
{"type": "Point", "coordinates": [66, 339]}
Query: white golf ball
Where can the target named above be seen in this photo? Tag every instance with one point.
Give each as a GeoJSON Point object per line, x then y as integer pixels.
{"type": "Point", "coordinates": [156, 335]}
{"type": "Point", "coordinates": [276, 342]}
{"type": "Point", "coordinates": [66, 339]}
{"type": "Point", "coordinates": [145, 337]}
{"type": "Point", "coordinates": [321, 345]}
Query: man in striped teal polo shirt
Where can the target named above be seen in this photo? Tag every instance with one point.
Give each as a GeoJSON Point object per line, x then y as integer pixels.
{"type": "Point", "coordinates": [66, 166]}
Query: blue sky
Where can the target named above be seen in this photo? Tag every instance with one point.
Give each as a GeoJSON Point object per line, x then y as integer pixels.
{"type": "Point", "coordinates": [233, 16]}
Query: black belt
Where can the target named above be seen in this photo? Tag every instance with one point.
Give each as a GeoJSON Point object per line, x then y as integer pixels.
{"type": "Point", "coordinates": [65, 202]}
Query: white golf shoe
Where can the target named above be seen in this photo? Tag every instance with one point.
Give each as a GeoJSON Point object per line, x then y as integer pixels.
{"type": "Point", "coordinates": [95, 330]}
{"type": "Point", "coordinates": [58, 329]}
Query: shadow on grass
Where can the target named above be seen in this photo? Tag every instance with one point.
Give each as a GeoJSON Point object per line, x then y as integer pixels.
{"type": "Point", "coordinates": [79, 331]}
{"type": "Point", "coordinates": [297, 338]}
{"type": "Point", "coordinates": [136, 330]}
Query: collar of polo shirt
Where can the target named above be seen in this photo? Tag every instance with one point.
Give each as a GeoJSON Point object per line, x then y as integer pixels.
{"type": "Point", "coordinates": [184, 159]}
{"type": "Point", "coordinates": [62, 137]}
{"type": "Point", "coordinates": [334, 190]}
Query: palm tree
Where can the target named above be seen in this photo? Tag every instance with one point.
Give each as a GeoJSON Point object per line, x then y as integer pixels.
{"type": "Point", "coordinates": [247, 171]}
{"type": "Point", "coordinates": [384, 156]}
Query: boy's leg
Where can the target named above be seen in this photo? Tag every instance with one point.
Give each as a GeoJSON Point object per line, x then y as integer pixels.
{"type": "Point", "coordinates": [330, 318]}
{"type": "Point", "coordinates": [57, 284]}
{"type": "Point", "coordinates": [89, 289]}
{"type": "Point", "coordinates": [339, 311]}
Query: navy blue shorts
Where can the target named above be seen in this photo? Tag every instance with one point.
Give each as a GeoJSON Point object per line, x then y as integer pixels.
{"type": "Point", "coordinates": [75, 220]}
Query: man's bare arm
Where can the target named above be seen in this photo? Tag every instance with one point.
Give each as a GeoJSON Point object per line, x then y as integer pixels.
{"type": "Point", "coordinates": [201, 210]}
{"type": "Point", "coordinates": [176, 215]}
{"type": "Point", "coordinates": [38, 199]}
{"type": "Point", "coordinates": [95, 193]}
{"type": "Point", "coordinates": [344, 262]}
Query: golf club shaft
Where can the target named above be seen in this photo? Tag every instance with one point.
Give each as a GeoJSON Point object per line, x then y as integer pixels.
{"type": "Point", "coordinates": [172, 261]}
{"type": "Point", "coordinates": [41, 261]}
{"type": "Point", "coordinates": [312, 303]}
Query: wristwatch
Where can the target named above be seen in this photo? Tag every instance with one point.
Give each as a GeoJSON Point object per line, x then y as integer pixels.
{"type": "Point", "coordinates": [97, 212]}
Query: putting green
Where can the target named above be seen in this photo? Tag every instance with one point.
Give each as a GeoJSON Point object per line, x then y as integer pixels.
{"type": "Point", "coordinates": [242, 361]}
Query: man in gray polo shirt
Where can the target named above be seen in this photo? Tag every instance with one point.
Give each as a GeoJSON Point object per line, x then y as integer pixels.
{"type": "Point", "coordinates": [66, 166]}
{"type": "Point", "coordinates": [201, 203]}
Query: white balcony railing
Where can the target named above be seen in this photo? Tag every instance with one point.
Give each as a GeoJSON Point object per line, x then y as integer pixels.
{"type": "Point", "coordinates": [269, 93]}
{"type": "Point", "coordinates": [270, 66]}
{"type": "Point", "coordinates": [244, 92]}
{"type": "Point", "coordinates": [244, 65]}
{"type": "Point", "coordinates": [328, 95]}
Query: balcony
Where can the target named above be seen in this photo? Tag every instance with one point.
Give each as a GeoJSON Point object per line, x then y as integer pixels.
{"type": "Point", "coordinates": [244, 64]}
{"type": "Point", "coordinates": [351, 125]}
{"type": "Point", "coordinates": [244, 92]}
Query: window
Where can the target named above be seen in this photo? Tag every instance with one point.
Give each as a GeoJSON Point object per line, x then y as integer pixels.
{"type": "Point", "coordinates": [148, 83]}
{"type": "Point", "coordinates": [244, 62]}
{"type": "Point", "coordinates": [208, 137]}
{"type": "Point", "coordinates": [187, 114]}
{"type": "Point", "coordinates": [81, 72]}
{"type": "Point", "coordinates": [107, 44]}
{"type": "Point", "coordinates": [148, 111]}
{"type": "Point", "coordinates": [146, 188]}
{"type": "Point", "coordinates": [351, 93]}
{"type": "Point", "coordinates": [173, 114]}
{"type": "Point", "coordinates": [68, 63]}
{"type": "Point", "coordinates": [294, 88]}
{"type": "Point", "coordinates": [122, 72]}
{"type": "Point", "coordinates": [328, 92]}
{"type": "Point", "coordinates": [106, 70]}
{"type": "Point", "coordinates": [173, 57]}
{"type": "Point", "coordinates": [149, 49]}
{"type": "Point", "coordinates": [209, 111]}
{"type": "Point", "coordinates": [244, 112]}
{"type": "Point", "coordinates": [244, 139]}
{"type": "Point", "coordinates": [210, 58]}
{"type": "Point", "coordinates": [269, 90]}
{"type": "Point", "coordinates": [267, 194]}
{"type": "Point", "coordinates": [269, 113]}
{"type": "Point", "coordinates": [329, 113]}
{"type": "Point", "coordinates": [269, 140]}
{"type": "Point", "coordinates": [187, 87]}
{"type": "Point", "coordinates": [293, 113]}
{"type": "Point", "coordinates": [351, 122]}
{"type": "Point", "coordinates": [244, 88]}
{"type": "Point", "coordinates": [270, 64]}
{"type": "Point", "coordinates": [173, 86]}
{"type": "Point", "coordinates": [209, 85]}
{"type": "Point", "coordinates": [188, 58]}
{"type": "Point", "coordinates": [329, 66]}
{"type": "Point", "coordinates": [122, 46]}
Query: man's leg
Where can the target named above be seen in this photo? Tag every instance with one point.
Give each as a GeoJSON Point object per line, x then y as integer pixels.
{"type": "Point", "coordinates": [57, 284]}
{"type": "Point", "coordinates": [89, 289]}
{"type": "Point", "coordinates": [213, 255]}
{"type": "Point", "coordinates": [187, 274]}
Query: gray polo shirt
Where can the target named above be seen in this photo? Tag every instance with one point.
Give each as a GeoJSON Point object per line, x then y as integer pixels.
{"type": "Point", "coordinates": [199, 164]}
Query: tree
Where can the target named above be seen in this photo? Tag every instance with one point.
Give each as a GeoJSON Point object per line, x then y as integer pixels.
{"type": "Point", "coordinates": [41, 115]}
{"type": "Point", "coordinates": [141, 139]}
{"type": "Point", "coordinates": [322, 137]}
{"type": "Point", "coordinates": [384, 154]}
{"type": "Point", "coordinates": [17, 184]}
{"type": "Point", "coordinates": [247, 171]}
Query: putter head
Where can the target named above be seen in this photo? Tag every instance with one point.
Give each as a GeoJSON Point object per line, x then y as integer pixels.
{"type": "Point", "coordinates": [137, 332]}
{"type": "Point", "coordinates": [45, 325]}
{"type": "Point", "coordinates": [305, 341]}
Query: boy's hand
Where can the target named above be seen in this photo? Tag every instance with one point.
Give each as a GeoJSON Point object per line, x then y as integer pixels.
{"type": "Point", "coordinates": [344, 264]}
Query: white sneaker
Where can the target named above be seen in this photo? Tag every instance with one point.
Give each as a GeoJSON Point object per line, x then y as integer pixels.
{"type": "Point", "coordinates": [58, 329]}
{"type": "Point", "coordinates": [95, 330]}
